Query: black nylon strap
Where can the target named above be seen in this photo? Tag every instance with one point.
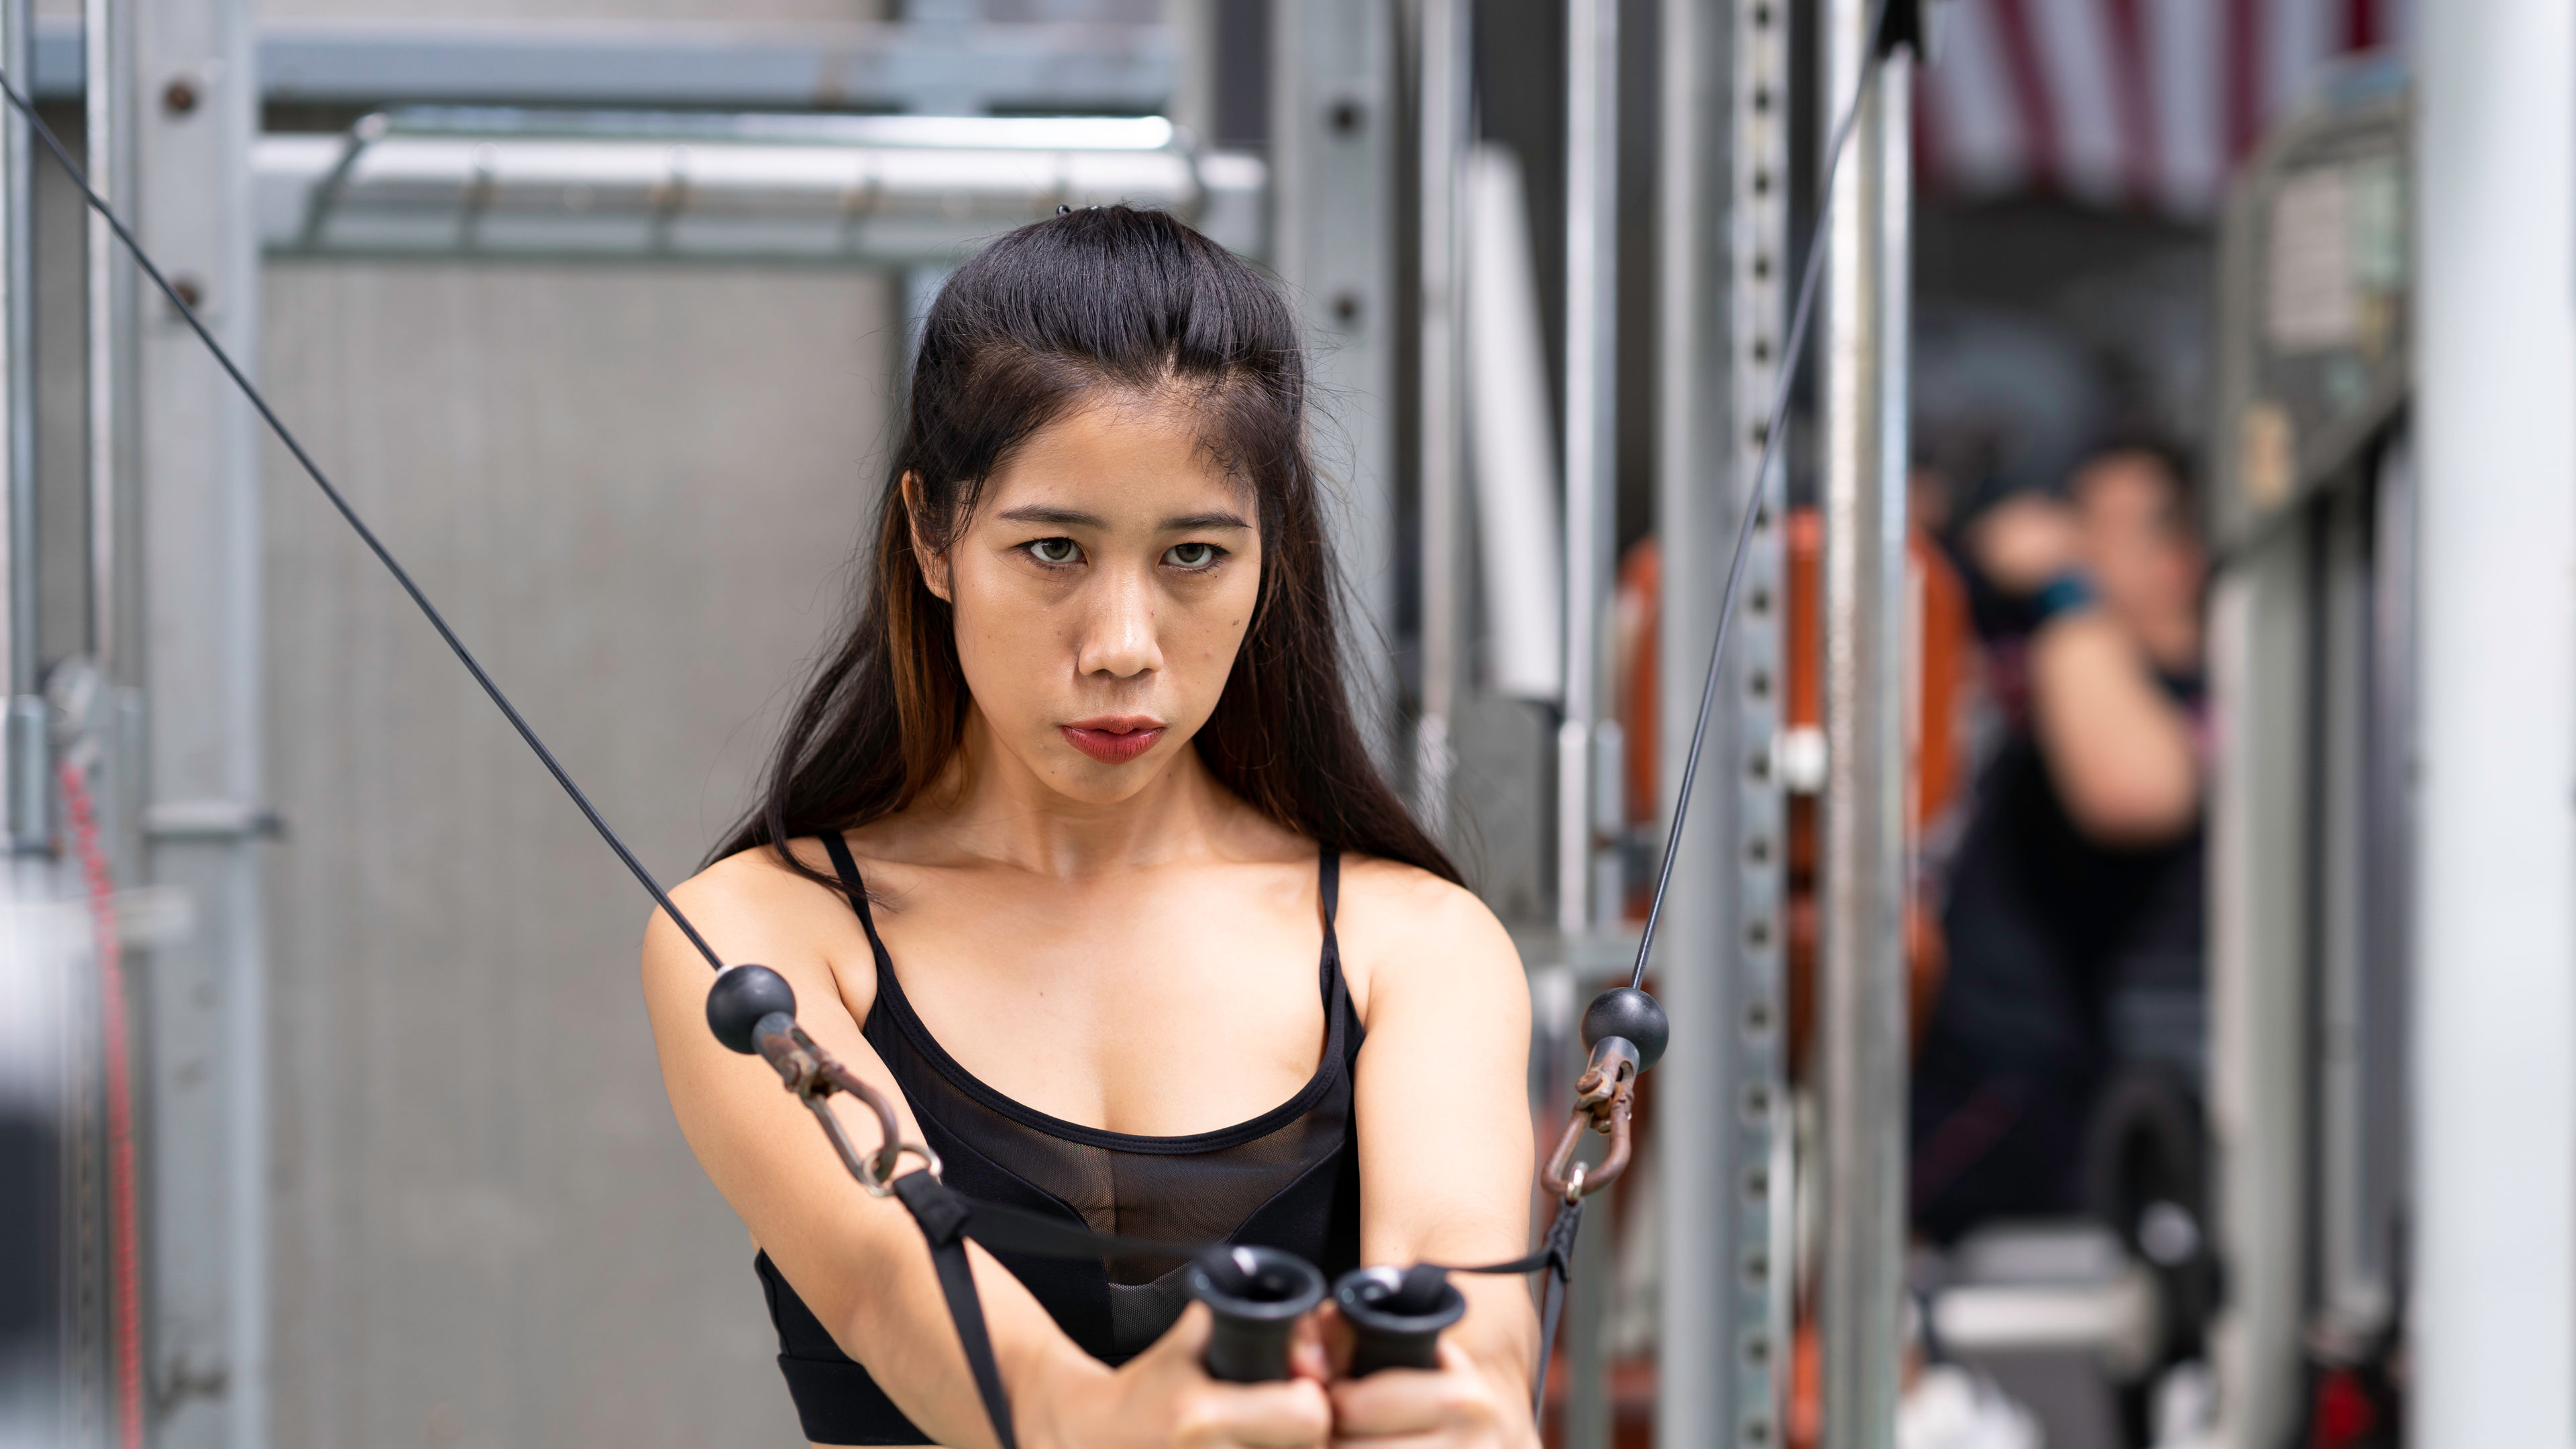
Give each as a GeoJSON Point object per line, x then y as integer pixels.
{"type": "Point", "coordinates": [942, 1217]}
{"type": "Point", "coordinates": [1557, 1256]}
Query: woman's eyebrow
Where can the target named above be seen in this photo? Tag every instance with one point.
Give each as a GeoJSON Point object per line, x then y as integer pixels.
{"type": "Point", "coordinates": [1053, 517]}
{"type": "Point", "coordinates": [1075, 518]}
{"type": "Point", "coordinates": [1191, 522]}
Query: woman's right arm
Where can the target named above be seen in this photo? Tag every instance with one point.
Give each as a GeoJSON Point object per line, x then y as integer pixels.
{"type": "Point", "coordinates": [860, 1262]}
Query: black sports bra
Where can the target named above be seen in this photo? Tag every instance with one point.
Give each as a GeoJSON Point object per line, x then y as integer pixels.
{"type": "Point", "coordinates": [1288, 1178]}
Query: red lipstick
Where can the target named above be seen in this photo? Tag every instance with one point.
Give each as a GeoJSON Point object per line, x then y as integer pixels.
{"type": "Point", "coordinates": [1114, 739]}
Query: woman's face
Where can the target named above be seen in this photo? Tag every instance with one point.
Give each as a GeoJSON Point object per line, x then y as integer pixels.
{"type": "Point", "coordinates": [2142, 552]}
{"type": "Point", "coordinates": [1100, 592]}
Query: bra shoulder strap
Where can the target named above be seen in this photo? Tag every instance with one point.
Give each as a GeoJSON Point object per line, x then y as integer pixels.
{"type": "Point", "coordinates": [846, 866]}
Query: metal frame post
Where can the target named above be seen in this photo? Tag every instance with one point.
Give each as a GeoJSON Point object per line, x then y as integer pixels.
{"type": "Point", "coordinates": [107, 101]}
{"type": "Point", "coordinates": [1332, 140]}
{"type": "Point", "coordinates": [1862, 965]}
{"type": "Point", "coordinates": [29, 781]}
{"type": "Point", "coordinates": [1724, 1308]}
{"type": "Point", "coordinates": [1585, 742]}
{"type": "Point", "coordinates": [115, 615]}
{"type": "Point", "coordinates": [205, 1084]}
{"type": "Point", "coordinates": [1447, 110]}
{"type": "Point", "coordinates": [2494, 1173]}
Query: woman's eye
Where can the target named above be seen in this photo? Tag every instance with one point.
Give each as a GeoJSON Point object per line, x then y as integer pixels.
{"type": "Point", "coordinates": [1055, 551]}
{"type": "Point", "coordinates": [1192, 555]}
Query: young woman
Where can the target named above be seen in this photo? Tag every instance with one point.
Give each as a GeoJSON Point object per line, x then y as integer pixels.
{"type": "Point", "coordinates": [1073, 849]}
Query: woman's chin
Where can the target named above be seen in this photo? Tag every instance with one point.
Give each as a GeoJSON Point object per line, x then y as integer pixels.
{"type": "Point", "coordinates": [1079, 777]}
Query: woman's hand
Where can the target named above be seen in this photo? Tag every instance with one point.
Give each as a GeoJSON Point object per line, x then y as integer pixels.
{"type": "Point", "coordinates": [1460, 1405]}
{"type": "Point", "coordinates": [2024, 541]}
{"type": "Point", "coordinates": [1164, 1397]}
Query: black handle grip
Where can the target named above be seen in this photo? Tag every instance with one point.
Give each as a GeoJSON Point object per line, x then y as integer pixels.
{"type": "Point", "coordinates": [1396, 1315]}
{"type": "Point", "coordinates": [1257, 1294]}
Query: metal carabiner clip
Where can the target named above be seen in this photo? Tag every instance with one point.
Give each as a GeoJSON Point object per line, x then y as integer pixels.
{"type": "Point", "coordinates": [813, 1074]}
{"type": "Point", "coordinates": [1605, 1097]}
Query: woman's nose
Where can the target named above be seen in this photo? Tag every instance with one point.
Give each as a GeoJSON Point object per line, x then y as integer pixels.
{"type": "Point", "coordinates": [1119, 639]}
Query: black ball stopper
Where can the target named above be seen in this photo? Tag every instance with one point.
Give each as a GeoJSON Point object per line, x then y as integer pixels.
{"type": "Point", "coordinates": [741, 999]}
{"type": "Point", "coordinates": [1624, 1011]}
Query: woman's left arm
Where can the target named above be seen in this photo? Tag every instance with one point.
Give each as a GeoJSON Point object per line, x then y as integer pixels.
{"type": "Point", "coordinates": [1445, 1151]}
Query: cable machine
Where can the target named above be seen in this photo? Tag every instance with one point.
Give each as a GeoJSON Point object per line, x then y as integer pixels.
{"type": "Point", "coordinates": [174, 96]}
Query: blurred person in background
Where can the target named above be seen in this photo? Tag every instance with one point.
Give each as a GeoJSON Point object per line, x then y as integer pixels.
{"type": "Point", "coordinates": [2074, 917]}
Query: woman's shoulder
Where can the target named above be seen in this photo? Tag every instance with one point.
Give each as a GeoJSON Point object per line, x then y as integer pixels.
{"type": "Point", "coordinates": [1402, 928]}
{"type": "Point", "coordinates": [752, 906]}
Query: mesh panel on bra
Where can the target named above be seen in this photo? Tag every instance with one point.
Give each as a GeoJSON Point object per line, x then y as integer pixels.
{"type": "Point", "coordinates": [1195, 1189]}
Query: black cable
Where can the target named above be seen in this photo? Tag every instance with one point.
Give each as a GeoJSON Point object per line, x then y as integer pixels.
{"type": "Point", "coordinates": [429, 610]}
{"type": "Point", "coordinates": [1790, 358]}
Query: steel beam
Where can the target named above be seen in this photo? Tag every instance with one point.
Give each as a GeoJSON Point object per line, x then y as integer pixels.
{"type": "Point", "coordinates": [1332, 156]}
{"type": "Point", "coordinates": [29, 785]}
{"type": "Point", "coordinates": [1446, 88]}
{"type": "Point", "coordinates": [1862, 960]}
{"type": "Point", "coordinates": [205, 1084]}
{"type": "Point", "coordinates": [1723, 1310]}
{"type": "Point", "coordinates": [1584, 738]}
{"type": "Point", "coordinates": [471, 183]}
{"type": "Point", "coordinates": [1073, 67]}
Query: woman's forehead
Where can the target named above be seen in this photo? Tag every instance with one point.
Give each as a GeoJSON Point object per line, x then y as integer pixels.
{"type": "Point", "coordinates": [1119, 460]}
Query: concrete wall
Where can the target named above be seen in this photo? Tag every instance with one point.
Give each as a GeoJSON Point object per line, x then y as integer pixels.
{"type": "Point", "coordinates": [636, 492]}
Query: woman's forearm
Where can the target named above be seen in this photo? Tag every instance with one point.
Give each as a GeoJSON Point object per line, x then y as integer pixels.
{"type": "Point", "coordinates": [2119, 750]}
{"type": "Point", "coordinates": [901, 1330]}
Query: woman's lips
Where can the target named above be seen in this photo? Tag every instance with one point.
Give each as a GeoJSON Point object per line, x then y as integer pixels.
{"type": "Point", "coordinates": [1113, 741]}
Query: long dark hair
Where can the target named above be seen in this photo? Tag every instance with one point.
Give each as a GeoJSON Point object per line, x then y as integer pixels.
{"type": "Point", "coordinates": [1108, 298]}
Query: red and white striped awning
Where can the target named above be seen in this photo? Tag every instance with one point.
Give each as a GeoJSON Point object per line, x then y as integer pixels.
{"type": "Point", "coordinates": [2145, 104]}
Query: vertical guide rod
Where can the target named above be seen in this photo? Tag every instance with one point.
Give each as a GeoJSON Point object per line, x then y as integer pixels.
{"type": "Point", "coordinates": [1446, 112]}
{"type": "Point", "coordinates": [108, 146]}
{"type": "Point", "coordinates": [29, 782]}
{"type": "Point", "coordinates": [1863, 996]}
{"type": "Point", "coordinates": [1591, 446]}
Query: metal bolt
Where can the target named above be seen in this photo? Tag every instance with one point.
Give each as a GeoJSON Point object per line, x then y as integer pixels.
{"type": "Point", "coordinates": [179, 97]}
{"type": "Point", "coordinates": [1346, 308]}
{"type": "Point", "coordinates": [190, 290]}
{"type": "Point", "coordinates": [1346, 117]}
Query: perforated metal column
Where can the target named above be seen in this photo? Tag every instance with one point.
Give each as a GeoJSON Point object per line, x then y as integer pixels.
{"type": "Point", "coordinates": [1720, 1111]}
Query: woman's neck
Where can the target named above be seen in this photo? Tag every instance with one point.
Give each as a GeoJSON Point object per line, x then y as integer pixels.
{"type": "Point", "coordinates": [991, 806]}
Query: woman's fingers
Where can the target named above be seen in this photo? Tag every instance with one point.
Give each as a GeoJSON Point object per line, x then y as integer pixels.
{"type": "Point", "coordinates": [1293, 1414]}
{"type": "Point", "coordinates": [1205, 1414]}
{"type": "Point", "coordinates": [1310, 1353]}
{"type": "Point", "coordinates": [1391, 1404]}
{"type": "Point", "coordinates": [1455, 1406]}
